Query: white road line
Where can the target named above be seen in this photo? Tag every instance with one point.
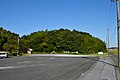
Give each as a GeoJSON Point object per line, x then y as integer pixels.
{"type": "Point", "coordinates": [7, 67]}
{"type": "Point", "coordinates": [25, 62]}
{"type": "Point", "coordinates": [11, 67]}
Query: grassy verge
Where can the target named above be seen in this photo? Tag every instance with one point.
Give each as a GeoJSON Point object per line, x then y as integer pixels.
{"type": "Point", "coordinates": [91, 54]}
{"type": "Point", "coordinates": [114, 51]}
{"type": "Point", "coordinates": [96, 54]}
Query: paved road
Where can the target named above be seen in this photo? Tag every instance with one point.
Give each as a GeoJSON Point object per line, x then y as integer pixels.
{"type": "Point", "coordinates": [44, 68]}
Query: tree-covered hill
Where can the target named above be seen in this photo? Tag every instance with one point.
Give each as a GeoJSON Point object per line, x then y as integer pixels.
{"type": "Point", "coordinates": [8, 40]}
{"type": "Point", "coordinates": [55, 40]}
{"type": "Point", "coordinates": [62, 40]}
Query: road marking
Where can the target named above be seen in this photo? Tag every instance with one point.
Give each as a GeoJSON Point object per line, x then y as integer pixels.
{"type": "Point", "coordinates": [7, 67]}
{"type": "Point", "coordinates": [25, 62]}
{"type": "Point", "coordinates": [11, 67]}
{"type": "Point", "coordinates": [83, 75]}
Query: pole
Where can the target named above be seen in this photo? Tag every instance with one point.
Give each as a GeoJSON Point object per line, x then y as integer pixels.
{"type": "Point", "coordinates": [18, 46]}
{"type": "Point", "coordinates": [118, 30]}
{"type": "Point", "coordinates": [108, 40]}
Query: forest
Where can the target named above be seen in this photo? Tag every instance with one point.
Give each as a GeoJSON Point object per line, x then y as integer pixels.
{"type": "Point", "coordinates": [8, 40]}
{"type": "Point", "coordinates": [58, 41]}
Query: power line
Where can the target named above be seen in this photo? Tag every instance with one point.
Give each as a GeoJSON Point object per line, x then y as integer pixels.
{"type": "Point", "coordinates": [112, 0]}
{"type": "Point", "coordinates": [118, 28]}
{"type": "Point", "coordinates": [111, 15]}
{"type": "Point", "coordinates": [113, 36]}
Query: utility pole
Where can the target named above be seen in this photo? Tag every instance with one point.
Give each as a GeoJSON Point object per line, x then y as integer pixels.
{"type": "Point", "coordinates": [108, 41]}
{"type": "Point", "coordinates": [18, 45]}
{"type": "Point", "coordinates": [118, 30]}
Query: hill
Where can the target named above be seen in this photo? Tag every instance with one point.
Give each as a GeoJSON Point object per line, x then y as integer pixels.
{"type": "Point", "coordinates": [62, 40]}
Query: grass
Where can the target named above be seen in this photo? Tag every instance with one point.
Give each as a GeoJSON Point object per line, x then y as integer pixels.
{"type": "Point", "coordinates": [114, 51]}
{"type": "Point", "coordinates": [105, 53]}
{"type": "Point", "coordinates": [92, 54]}
{"type": "Point", "coordinates": [24, 54]}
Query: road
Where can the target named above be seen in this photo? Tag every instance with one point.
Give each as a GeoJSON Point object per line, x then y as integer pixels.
{"type": "Point", "coordinates": [44, 67]}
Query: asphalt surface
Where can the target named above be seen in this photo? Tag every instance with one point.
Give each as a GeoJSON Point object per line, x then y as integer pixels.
{"type": "Point", "coordinates": [114, 57]}
{"type": "Point", "coordinates": [44, 68]}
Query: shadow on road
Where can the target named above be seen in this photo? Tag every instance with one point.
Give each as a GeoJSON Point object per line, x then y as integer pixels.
{"type": "Point", "coordinates": [98, 60]}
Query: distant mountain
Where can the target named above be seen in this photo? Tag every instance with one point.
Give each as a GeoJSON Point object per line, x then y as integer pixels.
{"type": "Point", "coordinates": [113, 48]}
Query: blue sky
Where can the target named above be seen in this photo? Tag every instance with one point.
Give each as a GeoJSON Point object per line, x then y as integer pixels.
{"type": "Point", "coordinates": [93, 16]}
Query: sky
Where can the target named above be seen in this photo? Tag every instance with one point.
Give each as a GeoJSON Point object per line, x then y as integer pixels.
{"type": "Point", "coordinates": [92, 16]}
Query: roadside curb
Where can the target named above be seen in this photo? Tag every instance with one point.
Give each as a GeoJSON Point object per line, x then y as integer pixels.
{"type": "Point", "coordinates": [117, 73]}
{"type": "Point", "coordinates": [102, 70]}
{"type": "Point", "coordinates": [63, 55]}
{"type": "Point", "coordinates": [117, 70]}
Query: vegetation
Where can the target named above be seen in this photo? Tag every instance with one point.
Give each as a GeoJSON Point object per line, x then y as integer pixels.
{"type": "Point", "coordinates": [52, 41]}
{"type": "Point", "coordinates": [114, 51]}
{"type": "Point", "coordinates": [63, 40]}
{"type": "Point", "coordinates": [8, 40]}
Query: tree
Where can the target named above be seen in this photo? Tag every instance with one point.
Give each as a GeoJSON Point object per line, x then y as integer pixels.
{"type": "Point", "coordinates": [9, 47]}
{"type": "Point", "coordinates": [64, 40]}
{"type": "Point", "coordinates": [54, 40]}
{"type": "Point", "coordinates": [8, 40]}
